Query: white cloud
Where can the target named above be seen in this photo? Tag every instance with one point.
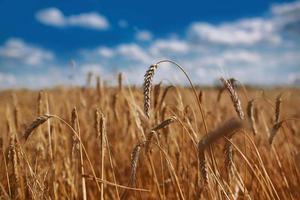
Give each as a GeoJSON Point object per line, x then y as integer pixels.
{"type": "Point", "coordinates": [242, 32]}
{"type": "Point", "coordinates": [227, 58]}
{"type": "Point", "coordinates": [287, 16]}
{"type": "Point", "coordinates": [286, 8]}
{"type": "Point", "coordinates": [166, 46]}
{"type": "Point", "coordinates": [240, 56]}
{"type": "Point", "coordinates": [143, 35]}
{"type": "Point", "coordinates": [51, 16]}
{"type": "Point", "coordinates": [133, 52]}
{"type": "Point", "coordinates": [105, 52]}
{"type": "Point", "coordinates": [54, 17]}
{"type": "Point", "coordinates": [18, 50]}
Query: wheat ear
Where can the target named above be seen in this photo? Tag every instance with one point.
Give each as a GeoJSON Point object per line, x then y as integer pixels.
{"type": "Point", "coordinates": [234, 97]}
{"type": "Point", "coordinates": [147, 88]}
{"type": "Point", "coordinates": [36, 123]}
{"type": "Point", "coordinates": [277, 124]}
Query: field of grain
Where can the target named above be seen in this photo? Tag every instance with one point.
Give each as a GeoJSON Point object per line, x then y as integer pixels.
{"type": "Point", "coordinates": [101, 142]}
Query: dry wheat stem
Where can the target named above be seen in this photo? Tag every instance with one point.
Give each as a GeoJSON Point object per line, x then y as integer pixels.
{"type": "Point", "coordinates": [116, 185]}
{"type": "Point", "coordinates": [250, 113]}
{"type": "Point", "coordinates": [225, 130]}
{"type": "Point", "coordinates": [230, 86]}
{"type": "Point", "coordinates": [83, 148]}
{"type": "Point", "coordinates": [102, 140]}
{"type": "Point", "coordinates": [148, 84]}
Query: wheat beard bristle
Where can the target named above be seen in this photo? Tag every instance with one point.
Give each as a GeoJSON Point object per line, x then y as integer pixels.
{"type": "Point", "coordinates": [36, 123]}
{"type": "Point", "coordinates": [147, 88]}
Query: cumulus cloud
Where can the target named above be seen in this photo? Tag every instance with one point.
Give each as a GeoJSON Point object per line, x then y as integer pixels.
{"type": "Point", "coordinates": [16, 49]}
{"type": "Point", "coordinates": [242, 32]}
{"type": "Point", "coordinates": [143, 35]}
{"type": "Point", "coordinates": [55, 17]}
{"type": "Point", "coordinates": [230, 58]}
{"type": "Point", "coordinates": [105, 52]}
{"type": "Point", "coordinates": [287, 16]}
{"type": "Point", "coordinates": [133, 52]}
{"type": "Point", "coordinates": [167, 46]}
{"type": "Point", "coordinates": [286, 8]}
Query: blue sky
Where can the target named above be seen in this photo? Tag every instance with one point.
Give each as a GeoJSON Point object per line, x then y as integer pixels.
{"type": "Point", "coordinates": [44, 43]}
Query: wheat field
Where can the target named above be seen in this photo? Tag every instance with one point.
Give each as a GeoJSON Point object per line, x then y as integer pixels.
{"type": "Point", "coordinates": [156, 142]}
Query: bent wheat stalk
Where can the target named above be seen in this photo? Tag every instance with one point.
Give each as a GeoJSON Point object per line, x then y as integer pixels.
{"type": "Point", "coordinates": [148, 85]}
{"type": "Point", "coordinates": [228, 129]}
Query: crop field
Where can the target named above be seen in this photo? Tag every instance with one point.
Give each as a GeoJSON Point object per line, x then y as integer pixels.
{"type": "Point", "coordinates": [150, 142]}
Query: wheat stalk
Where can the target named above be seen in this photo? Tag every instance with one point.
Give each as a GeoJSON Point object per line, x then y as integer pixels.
{"type": "Point", "coordinates": [120, 81]}
{"type": "Point", "coordinates": [230, 86]}
{"type": "Point", "coordinates": [250, 113]}
{"type": "Point", "coordinates": [225, 130]}
{"type": "Point", "coordinates": [75, 123]}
